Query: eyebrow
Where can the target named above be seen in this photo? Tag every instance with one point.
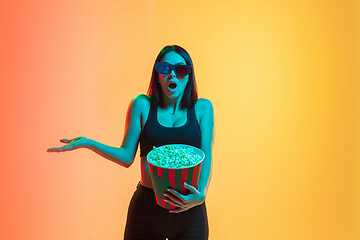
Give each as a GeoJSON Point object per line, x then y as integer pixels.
{"type": "Point", "coordinates": [176, 63]}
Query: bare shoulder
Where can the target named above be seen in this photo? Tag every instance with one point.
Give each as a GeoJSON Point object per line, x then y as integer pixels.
{"type": "Point", "coordinates": [203, 106]}
{"type": "Point", "coordinates": [141, 100]}
{"type": "Point", "coordinates": [141, 97]}
{"type": "Point", "coordinates": [141, 103]}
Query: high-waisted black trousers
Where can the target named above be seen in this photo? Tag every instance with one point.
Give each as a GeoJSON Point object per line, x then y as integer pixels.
{"type": "Point", "coordinates": [147, 220]}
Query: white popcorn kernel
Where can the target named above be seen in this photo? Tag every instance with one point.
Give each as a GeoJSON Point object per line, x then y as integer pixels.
{"type": "Point", "coordinates": [175, 156]}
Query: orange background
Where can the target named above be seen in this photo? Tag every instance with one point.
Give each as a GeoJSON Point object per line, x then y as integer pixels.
{"type": "Point", "coordinates": [283, 79]}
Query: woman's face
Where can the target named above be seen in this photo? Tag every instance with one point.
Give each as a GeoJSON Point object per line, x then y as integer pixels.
{"type": "Point", "coordinates": [167, 80]}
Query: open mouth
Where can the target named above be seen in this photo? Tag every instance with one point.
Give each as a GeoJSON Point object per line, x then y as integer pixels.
{"type": "Point", "coordinates": [172, 86]}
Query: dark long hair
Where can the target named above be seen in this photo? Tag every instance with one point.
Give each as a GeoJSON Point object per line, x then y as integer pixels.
{"type": "Point", "coordinates": [190, 96]}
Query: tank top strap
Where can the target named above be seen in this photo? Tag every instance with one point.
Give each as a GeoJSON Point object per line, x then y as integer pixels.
{"type": "Point", "coordinates": [152, 110]}
{"type": "Point", "coordinates": [192, 112]}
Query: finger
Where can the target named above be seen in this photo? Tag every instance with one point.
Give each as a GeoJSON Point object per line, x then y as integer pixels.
{"type": "Point", "coordinates": [78, 138]}
{"type": "Point", "coordinates": [68, 147]}
{"type": "Point", "coordinates": [177, 210]}
{"type": "Point", "coordinates": [69, 144]}
{"type": "Point", "coordinates": [177, 195]}
{"type": "Point", "coordinates": [72, 143]}
{"type": "Point", "coordinates": [70, 140]}
{"type": "Point", "coordinates": [177, 204]}
{"type": "Point", "coordinates": [191, 188]}
{"type": "Point", "coordinates": [55, 150]}
{"type": "Point", "coordinates": [75, 140]}
{"type": "Point", "coordinates": [173, 200]}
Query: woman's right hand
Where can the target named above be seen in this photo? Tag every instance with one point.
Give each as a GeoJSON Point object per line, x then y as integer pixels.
{"type": "Point", "coordinates": [72, 144]}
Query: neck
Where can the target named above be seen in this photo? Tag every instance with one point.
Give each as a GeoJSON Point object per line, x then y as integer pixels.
{"type": "Point", "coordinates": [172, 105]}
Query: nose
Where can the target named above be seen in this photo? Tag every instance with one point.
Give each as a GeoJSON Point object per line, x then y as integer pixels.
{"type": "Point", "coordinates": [172, 73]}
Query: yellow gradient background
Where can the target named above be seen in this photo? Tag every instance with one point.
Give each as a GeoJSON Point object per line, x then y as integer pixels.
{"type": "Point", "coordinates": [283, 77]}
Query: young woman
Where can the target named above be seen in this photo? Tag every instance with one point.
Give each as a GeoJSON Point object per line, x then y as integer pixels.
{"type": "Point", "coordinates": [170, 113]}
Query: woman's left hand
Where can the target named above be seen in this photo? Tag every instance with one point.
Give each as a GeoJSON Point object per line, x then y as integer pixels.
{"type": "Point", "coordinates": [184, 202]}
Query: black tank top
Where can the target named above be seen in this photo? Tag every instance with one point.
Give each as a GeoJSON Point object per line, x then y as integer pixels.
{"type": "Point", "coordinates": [154, 134]}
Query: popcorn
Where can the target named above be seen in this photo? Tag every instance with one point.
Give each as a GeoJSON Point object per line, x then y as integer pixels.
{"type": "Point", "coordinates": [175, 157]}
{"type": "Point", "coordinates": [172, 165]}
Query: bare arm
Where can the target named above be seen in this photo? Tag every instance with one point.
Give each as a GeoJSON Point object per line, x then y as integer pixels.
{"type": "Point", "coordinates": [117, 155]}
{"type": "Point", "coordinates": [123, 155]}
{"type": "Point", "coordinates": [126, 153]}
{"type": "Point", "coordinates": [207, 141]}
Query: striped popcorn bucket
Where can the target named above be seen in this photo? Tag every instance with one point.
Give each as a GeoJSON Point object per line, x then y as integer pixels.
{"type": "Point", "coordinates": [163, 178]}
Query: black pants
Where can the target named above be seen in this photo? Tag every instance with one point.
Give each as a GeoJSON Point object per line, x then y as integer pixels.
{"type": "Point", "coordinates": [147, 220]}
